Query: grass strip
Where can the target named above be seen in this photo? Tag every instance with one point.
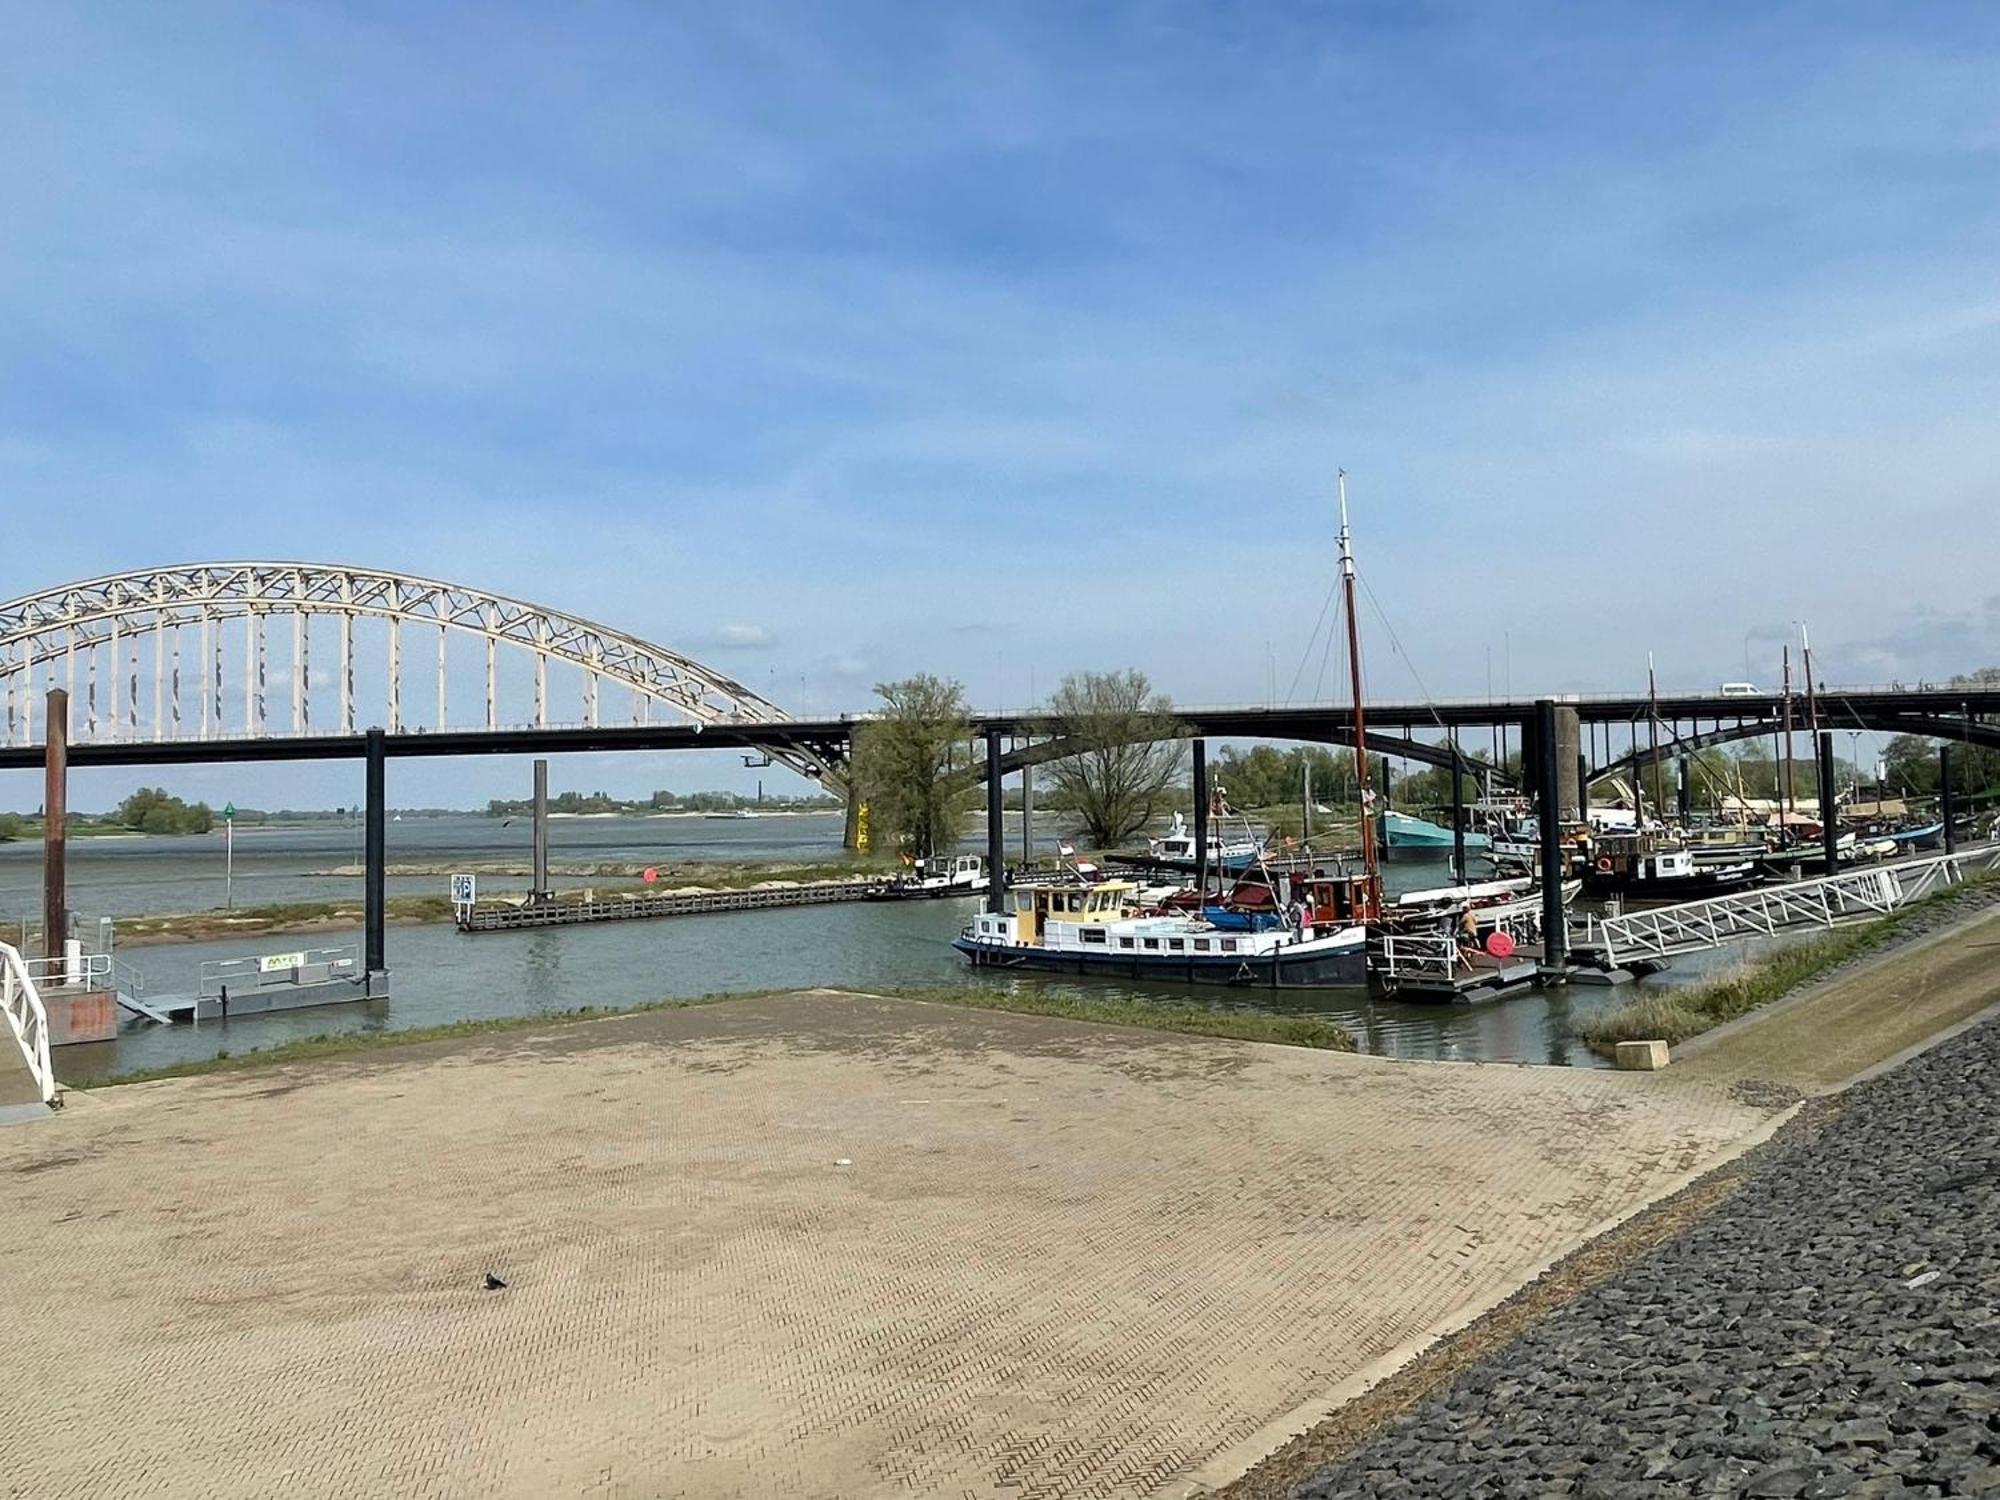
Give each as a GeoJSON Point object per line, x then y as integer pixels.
{"type": "Point", "coordinates": [1248, 1026]}
{"type": "Point", "coordinates": [343, 1043]}
{"type": "Point", "coordinates": [1673, 1016]}
{"type": "Point", "coordinates": [1195, 1020]}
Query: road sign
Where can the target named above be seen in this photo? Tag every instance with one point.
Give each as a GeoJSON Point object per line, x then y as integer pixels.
{"type": "Point", "coordinates": [464, 889]}
{"type": "Point", "coordinates": [228, 810]}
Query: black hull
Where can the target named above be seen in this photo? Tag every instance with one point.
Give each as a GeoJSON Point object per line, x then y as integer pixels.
{"type": "Point", "coordinates": [1345, 970]}
{"type": "Point", "coordinates": [1678, 889]}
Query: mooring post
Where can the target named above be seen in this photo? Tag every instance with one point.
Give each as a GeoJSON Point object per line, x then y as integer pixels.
{"type": "Point", "coordinates": [541, 891]}
{"type": "Point", "coordinates": [1829, 805]}
{"type": "Point", "coordinates": [1583, 789]}
{"type": "Point", "coordinates": [996, 845]}
{"type": "Point", "coordinates": [1548, 819]}
{"type": "Point", "coordinates": [55, 830]}
{"type": "Point", "coordinates": [375, 855]}
{"type": "Point", "coordinates": [1201, 816]}
{"type": "Point", "coordinates": [1945, 809]}
{"type": "Point", "coordinates": [1457, 814]}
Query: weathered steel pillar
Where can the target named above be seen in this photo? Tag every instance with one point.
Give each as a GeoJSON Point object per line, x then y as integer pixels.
{"type": "Point", "coordinates": [1201, 815]}
{"type": "Point", "coordinates": [55, 831]}
{"type": "Point", "coordinates": [540, 890]}
{"type": "Point", "coordinates": [1582, 803]}
{"type": "Point", "coordinates": [996, 843]}
{"type": "Point", "coordinates": [1945, 809]}
{"type": "Point", "coordinates": [1548, 819]}
{"type": "Point", "coordinates": [1829, 805]}
{"type": "Point", "coordinates": [374, 881]}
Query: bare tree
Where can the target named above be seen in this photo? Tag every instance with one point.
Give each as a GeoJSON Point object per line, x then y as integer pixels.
{"type": "Point", "coordinates": [903, 764]}
{"type": "Point", "coordinates": [1128, 754]}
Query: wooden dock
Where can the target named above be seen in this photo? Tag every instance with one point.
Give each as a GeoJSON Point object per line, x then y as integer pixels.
{"type": "Point", "coordinates": [507, 916]}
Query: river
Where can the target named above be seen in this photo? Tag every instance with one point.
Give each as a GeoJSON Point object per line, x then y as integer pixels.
{"type": "Point", "coordinates": [439, 974]}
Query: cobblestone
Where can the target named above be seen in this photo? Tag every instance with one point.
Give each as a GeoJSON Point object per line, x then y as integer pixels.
{"type": "Point", "coordinates": [1830, 1330]}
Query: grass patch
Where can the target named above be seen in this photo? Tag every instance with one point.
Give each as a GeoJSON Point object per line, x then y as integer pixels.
{"type": "Point", "coordinates": [283, 916]}
{"type": "Point", "coordinates": [345, 1043]}
{"type": "Point", "coordinates": [1239, 1025]}
{"type": "Point", "coordinates": [1249, 1026]}
{"type": "Point", "coordinates": [1673, 1016]}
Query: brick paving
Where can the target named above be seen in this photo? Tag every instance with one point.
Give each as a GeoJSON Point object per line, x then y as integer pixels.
{"type": "Point", "coordinates": [1061, 1260]}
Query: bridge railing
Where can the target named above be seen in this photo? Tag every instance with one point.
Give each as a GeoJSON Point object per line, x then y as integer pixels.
{"type": "Point", "coordinates": [27, 1019]}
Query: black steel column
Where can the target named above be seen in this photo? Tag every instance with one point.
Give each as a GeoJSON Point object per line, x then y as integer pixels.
{"type": "Point", "coordinates": [996, 835]}
{"type": "Point", "coordinates": [1548, 818]}
{"type": "Point", "coordinates": [1829, 805]}
{"type": "Point", "coordinates": [1945, 809]}
{"type": "Point", "coordinates": [376, 856]}
{"type": "Point", "coordinates": [1457, 815]}
{"type": "Point", "coordinates": [1583, 789]}
{"type": "Point", "coordinates": [1201, 815]}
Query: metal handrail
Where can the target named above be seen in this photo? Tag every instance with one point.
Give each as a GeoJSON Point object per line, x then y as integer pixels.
{"type": "Point", "coordinates": [27, 1018]}
{"type": "Point", "coordinates": [55, 973]}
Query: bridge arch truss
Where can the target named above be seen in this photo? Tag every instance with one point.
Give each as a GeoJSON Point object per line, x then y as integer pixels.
{"type": "Point", "coordinates": [180, 633]}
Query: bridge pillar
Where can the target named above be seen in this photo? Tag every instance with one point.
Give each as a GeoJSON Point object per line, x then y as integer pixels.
{"type": "Point", "coordinates": [1201, 815]}
{"type": "Point", "coordinates": [374, 882]}
{"type": "Point", "coordinates": [55, 831]}
{"type": "Point", "coordinates": [540, 890]}
{"type": "Point", "coordinates": [1829, 805]}
{"type": "Point", "coordinates": [1945, 808]}
{"type": "Point", "coordinates": [1548, 819]}
{"type": "Point", "coordinates": [1457, 813]}
{"type": "Point", "coordinates": [996, 843]}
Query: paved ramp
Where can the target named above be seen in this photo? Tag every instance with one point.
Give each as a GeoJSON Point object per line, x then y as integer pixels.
{"type": "Point", "coordinates": [808, 1245]}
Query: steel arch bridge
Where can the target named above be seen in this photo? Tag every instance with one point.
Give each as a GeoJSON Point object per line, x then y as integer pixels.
{"type": "Point", "coordinates": [182, 653]}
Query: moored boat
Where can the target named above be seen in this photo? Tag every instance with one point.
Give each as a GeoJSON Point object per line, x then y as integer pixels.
{"type": "Point", "coordinates": [1404, 833]}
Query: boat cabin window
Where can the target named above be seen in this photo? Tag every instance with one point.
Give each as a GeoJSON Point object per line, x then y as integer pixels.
{"type": "Point", "coordinates": [1092, 934]}
{"type": "Point", "coordinates": [1201, 945]}
{"type": "Point", "coordinates": [1124, 942]}
{"type": "Point", "coordinates": [1229, 945]}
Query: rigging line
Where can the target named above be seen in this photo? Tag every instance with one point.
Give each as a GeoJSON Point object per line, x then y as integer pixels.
{"type": "Point", "coordinates": [1306, 655]}
{"type": "Point", "coordinates": [1430, 701]}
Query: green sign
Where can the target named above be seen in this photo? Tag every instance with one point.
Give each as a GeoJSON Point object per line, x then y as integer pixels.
{"type": "Point", "coordinates": [229, 809]}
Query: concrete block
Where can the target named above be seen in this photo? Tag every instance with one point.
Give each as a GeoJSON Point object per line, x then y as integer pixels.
{"type": "Point", "coordinates": [1641, 1057]}
{"type": "Point", "coordinates": [77, 1016]}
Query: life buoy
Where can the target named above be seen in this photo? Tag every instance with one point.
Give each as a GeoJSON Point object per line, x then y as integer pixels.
{"type": "Point", "coordinates": [1604, 864]}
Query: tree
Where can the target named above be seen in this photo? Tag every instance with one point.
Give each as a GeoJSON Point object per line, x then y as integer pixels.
{"type": "Point", "coordinates": [903, 762]}
{"type": "Point", "coordinates": [1128, 752]}
{"type": "Point", "coordinates": [153, 809]}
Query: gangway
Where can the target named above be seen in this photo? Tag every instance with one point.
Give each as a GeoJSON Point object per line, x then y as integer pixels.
{"type": "Point", "coordinates": [28, 1019]}
{"type": "Point", "coordinates": [1766, 911]}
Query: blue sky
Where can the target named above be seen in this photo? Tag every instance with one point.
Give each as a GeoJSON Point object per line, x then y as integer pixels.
{"type": "Point", "coordinates": [833, 343]}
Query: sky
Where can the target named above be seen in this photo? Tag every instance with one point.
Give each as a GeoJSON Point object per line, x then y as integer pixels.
{"type": "Point", "coordinates": [832, 343]}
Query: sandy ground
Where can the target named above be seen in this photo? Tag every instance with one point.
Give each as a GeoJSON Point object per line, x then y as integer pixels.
{"type": "Point", "coordinates": [799, 1245]}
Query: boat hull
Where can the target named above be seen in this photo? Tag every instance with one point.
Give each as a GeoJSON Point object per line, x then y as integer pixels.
{"type": "Point", "coordinates": [1341, 968]}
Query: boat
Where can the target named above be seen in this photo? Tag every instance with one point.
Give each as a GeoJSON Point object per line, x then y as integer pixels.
{"type": "Point", "coordinates": [1315, 935]}
{"type": "Point", "coordinates": [731, 816]}
{"type": "Point", "coordinates": [1402, 832]}
{"type": "Point", "coordinates": [1100, 928]}
{"type": "Point", "coordinates": [961, 875]}
{"type": "Point", "coordinates": [1644, 867]}
{"type": "Point", "coordinates": [1175, 849]}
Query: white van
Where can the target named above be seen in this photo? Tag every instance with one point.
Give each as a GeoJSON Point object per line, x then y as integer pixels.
{"type": "Point", "coordinates": [1741, 690]}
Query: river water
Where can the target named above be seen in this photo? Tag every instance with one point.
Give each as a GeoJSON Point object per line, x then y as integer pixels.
{"type": "Point", "coordinates": [439, 974]}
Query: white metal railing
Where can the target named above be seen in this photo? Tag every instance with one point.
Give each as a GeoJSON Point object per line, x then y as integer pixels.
{"type": "Point", "coordinates": [85, 970]}
{"type": "Point", "coordinates": [1428, 956]}
{"type": "Point", "coordinates": [308, 966]}
{"type": "Point", "coordinates": [1829, 901]}
{"type": "Point", "coordinates": [27, 1019]}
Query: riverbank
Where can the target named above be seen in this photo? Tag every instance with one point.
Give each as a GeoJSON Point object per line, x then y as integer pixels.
{"type": "Point", "coordinates": [1824, 1331]}
{"type": "Point", "coordinates": [334, 916]}
{"type": "Point", "coordinates": [1675, 1016]}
